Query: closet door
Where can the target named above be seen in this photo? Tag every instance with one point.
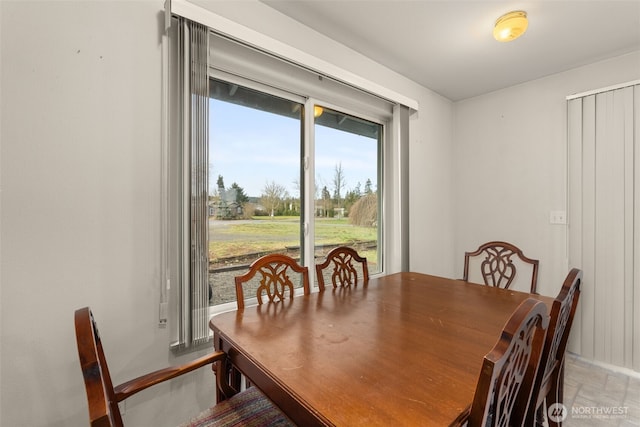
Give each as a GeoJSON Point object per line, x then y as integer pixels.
{"type": "Point", "coordinates": [604, 223]}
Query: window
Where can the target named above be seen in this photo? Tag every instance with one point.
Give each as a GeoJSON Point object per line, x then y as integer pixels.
{"type": "Point", "coordinates": [347, 198]}
{"type": "Point", "coordinates": [259, 162]}
{"type": "Point", "coordinates": [255, 147]}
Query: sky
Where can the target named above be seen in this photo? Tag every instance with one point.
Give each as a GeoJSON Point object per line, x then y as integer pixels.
{"type": "Point", "coordinates": [253, 148]}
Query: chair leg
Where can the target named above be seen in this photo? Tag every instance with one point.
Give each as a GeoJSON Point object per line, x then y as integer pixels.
{"type": "Point", "coordinates": [560, 379]}
{"type": "Point", "coordinates": [556, 394]}
{"type": "Point", "coordinates": [540, 414]}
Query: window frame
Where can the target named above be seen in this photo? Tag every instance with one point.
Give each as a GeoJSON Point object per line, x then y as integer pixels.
{"type": "Point", "coordinates": [308, 166]}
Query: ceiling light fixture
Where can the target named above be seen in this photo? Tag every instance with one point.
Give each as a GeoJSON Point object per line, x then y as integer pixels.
{"type": "Point", "coordinates": [510, 26]}
{"type": "Point", "coordinates": [317, 111]}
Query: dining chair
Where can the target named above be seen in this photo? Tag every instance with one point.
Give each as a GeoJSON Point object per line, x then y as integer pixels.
{"type": "Point", "coordinates": [508, 371]}
{"type": "Point", "coordinates": [271, 275]}
{"type": "Point", "coordinates": [499, 263]}
{"type": "Point", "coordinates": [548, 387]}
{"type": "Point", "coordinates": [343, 266]}
{"type": "Point", "coordinates": [248, 408]}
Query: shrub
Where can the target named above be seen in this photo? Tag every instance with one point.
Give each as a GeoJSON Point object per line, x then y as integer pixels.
{"type": "Point", "coordinates": [364, 212]}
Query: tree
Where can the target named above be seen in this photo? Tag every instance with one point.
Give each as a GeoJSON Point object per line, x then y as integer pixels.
{"type": "Point", "coordinates": [338, 182]}
{"type": "Point", "coordinates": [350, 199]}
{"type": "Point", "coordinates": [367, 187]}
{"type": "Point", "coordinates": [356, 190]}
{"type": "Point", "coordinates": [296, 186]}
{"type": "Point", "coordinates": [325, 193]}
{"type": "Point", "coordinates": [319, 185]}
{"type": "Point", "coordinates": [272, 196]}
{"type": "Point", "coordinates": [238, 194]}
{"type": "Point", "coordinates": [326, 198]}
{"type": "Point", "coordinates": [221, 190]}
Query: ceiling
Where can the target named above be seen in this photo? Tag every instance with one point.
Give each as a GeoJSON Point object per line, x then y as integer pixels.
{"type": "Point", "coordinates": [448, 46]}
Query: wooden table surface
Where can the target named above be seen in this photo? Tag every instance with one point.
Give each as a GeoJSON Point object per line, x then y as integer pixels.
{"type": "Point", "coordinates": [405, 350]}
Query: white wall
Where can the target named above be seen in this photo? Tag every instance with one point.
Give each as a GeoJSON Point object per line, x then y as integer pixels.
{"type": "Point", "coordinates": [81, 87]}
{"type": "Point", "coordinates": [510, 164]}
{"type": "Point", "coordinates": [80, 173]}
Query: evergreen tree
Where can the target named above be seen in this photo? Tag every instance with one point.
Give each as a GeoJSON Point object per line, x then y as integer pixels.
{"type": "Point", "coordinates": [240, 196]}
{"type": "Point", "coordinates": [356, 191]}
{"type": "Point", "coordinates": [221, 190]}
{"type": "Point", "coordinates": [367, 187]}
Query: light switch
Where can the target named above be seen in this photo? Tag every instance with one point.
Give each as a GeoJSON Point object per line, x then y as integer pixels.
{"type": "Point", "coordinates": [558, 217]}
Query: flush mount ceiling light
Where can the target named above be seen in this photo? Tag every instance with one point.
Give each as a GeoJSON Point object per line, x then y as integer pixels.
{"type": "Point", "coordinates": [510, 26]}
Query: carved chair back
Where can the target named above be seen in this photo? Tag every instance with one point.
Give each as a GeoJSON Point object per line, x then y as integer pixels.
{"type": "Point", "coordinates": [250, 407]}
{"type": "Point", "coordinates": [274, 277]}
{"type": "Point", "coordinates": [499, 264]}
{"type": "Point", "coordinates": [344, 267]}
{"type": "Point", "coordinates": [103, 405]}
{"type": "Point", "coordinates": [549, 379]}
{"type": "Point", "coordinates": [508, 372]}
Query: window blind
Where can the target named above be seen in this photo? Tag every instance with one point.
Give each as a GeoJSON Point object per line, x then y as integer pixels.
{"type": "Point", "coordinates": [190, 115]}
{"type": "Point", "coordinates": [236, 58]}
{"type": "Point", "coordinates": [604, 222]}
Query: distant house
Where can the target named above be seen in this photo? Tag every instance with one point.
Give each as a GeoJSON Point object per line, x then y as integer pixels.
{"type": "Point", "coordinates": [221, 209]}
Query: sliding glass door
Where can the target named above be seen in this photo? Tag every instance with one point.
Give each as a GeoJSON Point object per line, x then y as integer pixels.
{"type": "Point", "coordinates": [259, 169]}
{"type": "Point", "coordinates": [254, 181]}
{"type": "Point", "coordinates": [347, 165]}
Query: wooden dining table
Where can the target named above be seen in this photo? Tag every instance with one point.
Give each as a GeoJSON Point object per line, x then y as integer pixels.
{"type": "Point", "coordinates": [403, 350]}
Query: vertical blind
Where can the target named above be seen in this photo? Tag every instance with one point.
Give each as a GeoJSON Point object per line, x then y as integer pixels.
{"type": "Point", "coordinates": [199, 145]}
{"type": "Point", "coordinates": [192, 51]}
{"type": "Point", "coordinates": [604, 223]}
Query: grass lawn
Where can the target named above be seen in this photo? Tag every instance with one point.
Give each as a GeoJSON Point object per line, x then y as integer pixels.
{"type": "Point", "coordinates": [274, 234]}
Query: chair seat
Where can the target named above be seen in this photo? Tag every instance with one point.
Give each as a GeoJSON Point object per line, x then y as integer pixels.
{"type": "Point", "coordinates": [249, 408]}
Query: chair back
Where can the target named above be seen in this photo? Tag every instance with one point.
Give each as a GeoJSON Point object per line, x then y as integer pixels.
{"type": "Point", "coordinates": [499, 263]}
{"type": "Point", "coordinates": [272, 276]}
{"type": "Point", "coordinates": [343, 266]}
{"type": "Point", "coordinates": [561, 319]}
{"type": "Point", "coordinates": [509, 370]}
{"type": "Point", "coordinates": [103, 405]}
{"type": "Point", "coordinates": [249, 408]}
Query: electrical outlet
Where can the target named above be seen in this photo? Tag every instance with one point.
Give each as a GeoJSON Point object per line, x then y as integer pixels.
{"type": "Point", "coordinates": [163, 314]}
{"type": "Point", "coordinates": [558, 217]}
